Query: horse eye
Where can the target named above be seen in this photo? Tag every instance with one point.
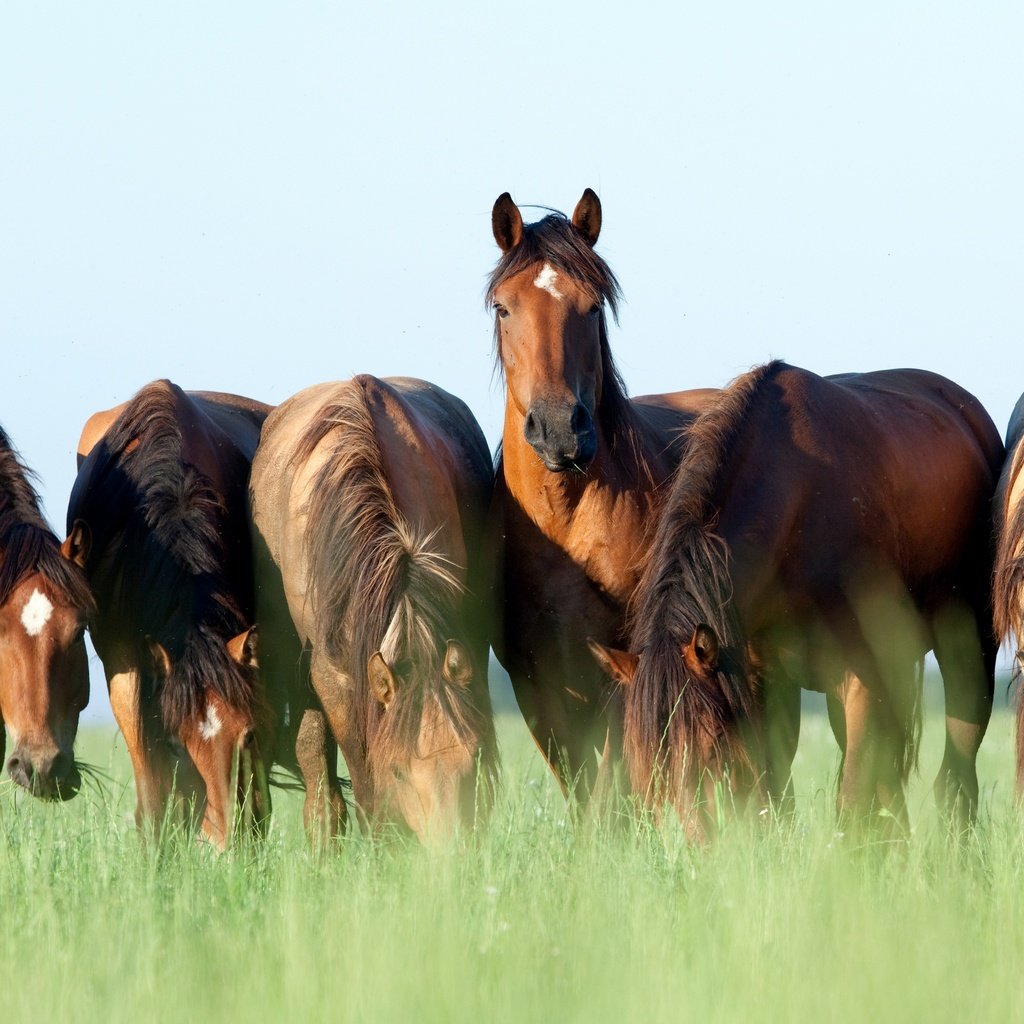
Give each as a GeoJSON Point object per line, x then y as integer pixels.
{"type": "Point", "coordinates": [594, 310]}
{"type": "Point", "coordinates": [501, 311]}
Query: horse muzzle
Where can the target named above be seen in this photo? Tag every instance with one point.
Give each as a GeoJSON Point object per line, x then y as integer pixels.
{"type": "Point", "coordinates": [48, 777]}
{"type": "Point", "coordinates": [563, 436]}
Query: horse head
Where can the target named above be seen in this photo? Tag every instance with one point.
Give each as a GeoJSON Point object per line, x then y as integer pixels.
{"type": "Point", "coordinates": [431, 757]}
{"type": "Point", "coordinates": [216, 732]}
{"type": "Point", "coordinates": [548, 293]}
{"type": "Point", "coordinates": [44, 684]}
{"type": "Point", "coordinates": [683, 741]}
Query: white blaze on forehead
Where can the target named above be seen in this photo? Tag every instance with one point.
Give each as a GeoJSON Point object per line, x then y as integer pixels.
{"type": "Point", "coordinates": [546, 279]}
{"type": "Point", "coordinates": [210, 725]}
{"type": "Point", "coordinates": [36, 613]}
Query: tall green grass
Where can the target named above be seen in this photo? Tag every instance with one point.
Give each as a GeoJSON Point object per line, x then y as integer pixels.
{"type": "Point", "coordinates": [534, 919]}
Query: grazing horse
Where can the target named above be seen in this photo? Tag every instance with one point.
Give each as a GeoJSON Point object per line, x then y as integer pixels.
{"type": "Point", "coordinates": [1008, 578]}
{"type": "Point", "coordinates": [579, 482]}
{"type": "Point", "coordinates": [369, 499]}
{"type": "Point", "coordinates": [44, 673]}
{"type": "Point", "coordinates": [824, 533]}
{"type": "Point", "coordinates": [158, 521]}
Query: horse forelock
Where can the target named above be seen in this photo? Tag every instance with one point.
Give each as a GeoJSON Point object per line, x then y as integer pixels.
{"type": "Point", "coordinates": [200, 665]}
{"type": "Point", "coordinates": [379, 583]}
{"type": "Point", "coordinates": [27, 544]}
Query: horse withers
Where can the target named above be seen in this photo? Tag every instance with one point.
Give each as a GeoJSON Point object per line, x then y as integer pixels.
{"type": "Point", "coordinates": [579, 484]}
{"type": "Point", "coordinates": [368, 502]}
{"type": "Point", "coordinates": [44, 673]}
{"type": "Point", "coordinates": [158, 522]}
{"type": "Point", "coordinates": [824, 533]}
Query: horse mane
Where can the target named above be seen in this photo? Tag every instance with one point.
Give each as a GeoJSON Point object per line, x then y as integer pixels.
{"type": "Point", "coordinates": [27, 544]}
{"type": "Point", "coordinates": [1008, 573]}
{"type": "Point", "coordinates": [556, 240]}
{"type": "Point", "coordinates": [380, 583]}
{"type": "Point", "coordinates": [678, 727]}
{"type": "Point", "coordinates": [159, 560]}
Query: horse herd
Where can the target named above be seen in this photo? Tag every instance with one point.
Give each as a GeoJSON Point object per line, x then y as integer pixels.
{"type": "Point", "coordinates": [660, 576]}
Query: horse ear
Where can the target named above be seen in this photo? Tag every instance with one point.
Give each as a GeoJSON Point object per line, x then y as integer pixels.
{"type": "Point", "coordinates": [506, 222]}
{"type": "Point", "coordinates": [78, 544]}
{"type": "Point", "coordinates": [458, 666]}
{"type": "Point", "coordinates": [382, 679]}
{"type": "Point", "coordinates": [586, 218]}
{"type": "Point", "coordinates": [704, 646]}
{"type": "Point", "coordinates": [243, 648]}
{"type": "Point", "coordinates": [620, 665]}
{"type": "Point", "coordinates": [161, 659]}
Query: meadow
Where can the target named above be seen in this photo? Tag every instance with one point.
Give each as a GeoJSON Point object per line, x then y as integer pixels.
{"type": "Point", "coordinates": [536, 917]}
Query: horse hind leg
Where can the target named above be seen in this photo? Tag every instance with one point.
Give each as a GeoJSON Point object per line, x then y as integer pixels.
{"type": "Point", "coordinates": [966, 653]}
{"type": "Point", "coordinates": [875, 736]}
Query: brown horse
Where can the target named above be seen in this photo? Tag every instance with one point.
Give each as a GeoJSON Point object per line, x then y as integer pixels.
{"type": "Point", "coordinates": [579, 483]}
{"type": "Point", "coordinates": [158, 521]}
{"type": "Point", "coordinates": [368, 502]}
{"type": "Point", "coordinates": [825, 533]}
{"type": "Point", "coordinates": [44, 673]}
{"type": "Point", "coordinates": [1008, 588]}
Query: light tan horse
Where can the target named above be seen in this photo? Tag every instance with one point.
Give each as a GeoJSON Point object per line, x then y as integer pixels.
{"type": "Point", "coordinates": [158, 521]}
{"type": "Point", "coordinates": [580, 481]}
{"type": "Point", "coordinates": [368, 503]}
{"type": "Point", "coordinates": [1008, 579]}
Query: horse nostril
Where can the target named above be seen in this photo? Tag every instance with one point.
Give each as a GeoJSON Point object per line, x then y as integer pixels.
{"type": "Point", "coordinates": [533, 429]}
{"type": "Point", "coordinates": [580, 421]}
{"type": "Point", "coordinates": [20, 770]}
{"type": "Point", "coordinates": [61, 766]}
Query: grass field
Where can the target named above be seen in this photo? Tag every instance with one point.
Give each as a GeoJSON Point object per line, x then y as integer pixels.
{"type": "Point", "coordinates": [533, 920]}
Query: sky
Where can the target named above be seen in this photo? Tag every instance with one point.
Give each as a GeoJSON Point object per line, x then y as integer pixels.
{"type": "Point", "coordinates": [257, 197]}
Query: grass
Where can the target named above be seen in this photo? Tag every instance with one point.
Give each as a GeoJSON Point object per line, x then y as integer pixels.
{"type": "Point", "coordinates": [534, 919]}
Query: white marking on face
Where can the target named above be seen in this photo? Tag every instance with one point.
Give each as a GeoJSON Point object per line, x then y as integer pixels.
{"type": "Point", "coordinates": [210, 725]}
{"type": "Point", "coordinates": [36, 613]}
{"type": "Point", "coordinates": [546, 279]}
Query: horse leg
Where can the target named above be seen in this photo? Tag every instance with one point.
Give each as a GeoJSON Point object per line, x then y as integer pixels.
{"type": "Point", "coordinates": [323, 813]}
{"type": "Point", "coordinates": [562, 742]}
{"type": "Point", "coordinates": [874, 755]}
{"type": "Point", "coordinates": [966, 653]}
{"type": "Point", "coordinates": [782, 734]}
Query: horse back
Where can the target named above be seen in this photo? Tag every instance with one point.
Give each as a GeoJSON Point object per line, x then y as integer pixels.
{"type": "Point", "coordinates": [895, 467]}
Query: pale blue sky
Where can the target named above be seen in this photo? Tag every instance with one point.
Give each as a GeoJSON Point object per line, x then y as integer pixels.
{"type": "Point", "coordinates": [259, 197]}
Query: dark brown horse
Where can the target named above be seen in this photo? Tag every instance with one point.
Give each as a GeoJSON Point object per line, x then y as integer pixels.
{"type": "Point", "coordinates": [579, 482]}
{"type": "Point", "coordinates": [1008, 589]}
{"type": "Point", "coordinates": [44, 674]}
{"type": "Point", "coordinates": [368, 502]}
{"type": "Point", "coordinates": [825, 533]}
{"type": "Point", "coordinates": [158, 521]}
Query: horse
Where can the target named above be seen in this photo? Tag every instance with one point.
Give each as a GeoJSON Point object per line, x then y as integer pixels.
{"type": "Point", "coordinates": [1008, 576]}
{"type": "Point", "coordinates": [44, 672]}
{"type": "Point", "coordinates": [157, 521]}
{"type": "Point", "coordinates": [824, 533]}
{"type": "Point", "coordinates": [580, 480]}
{"type": "Point", "coordinates": [368, 501]}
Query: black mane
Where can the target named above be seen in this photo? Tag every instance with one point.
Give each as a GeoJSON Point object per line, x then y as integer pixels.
{"type": "Point", "coordinates": [160, 564]}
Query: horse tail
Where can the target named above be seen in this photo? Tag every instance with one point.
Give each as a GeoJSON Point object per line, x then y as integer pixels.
{"type": "Point", "coordinates": [907, 750]}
